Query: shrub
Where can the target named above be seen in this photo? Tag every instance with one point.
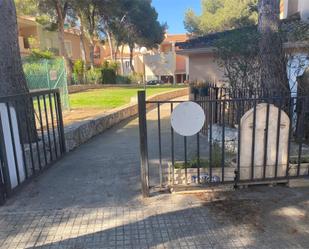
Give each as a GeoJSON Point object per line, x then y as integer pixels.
{"type": "Point", "coordinates": [79, 71]}
{"type": "Point", "coordinates": [93, 76]}
{"type": "Point", "coordinates": [113, 65]}
{"type": "Point", "coordinates": [109, 72]}
{"type": "Point", "coordinates": [123, 79]}
{"type": "Point", "coordinates": [136, 78]}
{"type": "Point", "coordinates": [37, 67]}
{"type": "Point", "coordinates": [108, 76]}
{"type": "Point", "coordinates": [37, 54]}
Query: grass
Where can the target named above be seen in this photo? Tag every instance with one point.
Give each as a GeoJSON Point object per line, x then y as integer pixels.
{"type": "Point", "coordinates": [109, 98]}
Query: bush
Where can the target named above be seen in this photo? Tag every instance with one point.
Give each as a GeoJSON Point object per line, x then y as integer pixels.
{"type": "Point", "coordinates": [109, 72]}
{"type": "Point", "coordinates": [136, 78]}
{"type": "Point", "coordinates": [93, 76]}
{"type": "Point", "coordinates": [123, 79]}
{"type": "Point", "coordinates": [108, 76]}
{"type": "Point", "coordinates": [113, 65]}
{"type": "Point", "coordinates": [38, 66]}
{"type": "Point", "coordinates": [79, 71]}
{"type": "Point", "coordinates": [37, 54]}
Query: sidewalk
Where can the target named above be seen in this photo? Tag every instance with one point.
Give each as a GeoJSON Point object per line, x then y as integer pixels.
{"type": "Point", "coordinates": [91, 199]}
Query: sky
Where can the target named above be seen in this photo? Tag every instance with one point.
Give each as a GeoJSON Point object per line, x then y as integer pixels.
{"type": "Point", "coordinates": [173, 12]}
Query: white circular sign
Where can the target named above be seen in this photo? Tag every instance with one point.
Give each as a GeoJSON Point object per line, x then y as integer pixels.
{"type": "Point", "coordinates": [188, 118]}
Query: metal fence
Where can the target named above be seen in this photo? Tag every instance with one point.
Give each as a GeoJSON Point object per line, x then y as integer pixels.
{"type": "Point", "coordinates": [47, 74]}
{"type": "Point", "coordinates": [244, 141]}
{"type": "Point", "coordinates": [31, 137]}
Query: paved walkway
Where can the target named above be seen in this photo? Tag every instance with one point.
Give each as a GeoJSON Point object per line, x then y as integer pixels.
{"type": "Point", "coordinates": [91, 199]}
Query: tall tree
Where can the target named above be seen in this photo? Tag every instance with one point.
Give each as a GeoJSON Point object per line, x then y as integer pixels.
{"type": "Point", "coordinates": [87, 13]}
{"type": "Point", "coordinates": [58, 10]}
{"type": "Point", "coordinates": [12, 78]}
{"type": "Point", "coordinates": [271, 54]}
{"type": "Point", "coordinates": [219, 15]}
{"type": "Point", "coordinates": [111, 15]}
{"type": "Point", "coordinates": [27, 7]}
{"type": "Point", "coordinates": [137, 24]}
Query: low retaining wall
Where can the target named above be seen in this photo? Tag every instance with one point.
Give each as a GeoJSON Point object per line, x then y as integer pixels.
{"type": "Point", "coordinates": [79, 133]}
{"type": "Point", "coordinates": [81, 88]}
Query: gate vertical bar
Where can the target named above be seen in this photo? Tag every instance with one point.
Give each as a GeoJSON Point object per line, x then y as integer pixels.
{"type": "Point", "coordinates": [210, 134]}
{"type": "Point", "coordinates": [186, 158]}
{"type": "Point", "coordinates": [198, 157]}
{"type": "Point", "coordinates": [5, 187]}
{"type": "Point", "coordinates": [60, 120]}
{"type": "Point", "coordinates": [160, 148]}
{"type": "Point", "coordinates": [253, 140]}
{"type": "Point", "coordinates": [278, 138]}
{"type": "Point", "coordinates": [143, 142]}
{"type": "Point", "coordinates": [173, 153]}
{"type": "Point", "coordinates": [266, 140]}
{"type": "Point", "coordinates": [291, 105]}
{"type": "Point", "coordinates": [223, 140]}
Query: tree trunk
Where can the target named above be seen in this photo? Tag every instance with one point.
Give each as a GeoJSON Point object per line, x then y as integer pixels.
{"type": "Point", "coordinates": [110, 43]}
{"type": "Point", "coordinates": [272, 58]}
{"type": "Point", "coordinates": [131, 59]}
{"type": "Point", "coordinates": [82, 40]}
{"type": "Point", "coordinates": [83, 48]}
{"type": "Point", "coordinates": [121, 59]}
{"type": "Point", "coordinates": [63, 51]}
{"type": "Point", "coordinates": [12, 78]}
{"type": "Point", "coordinates": [91, 47]}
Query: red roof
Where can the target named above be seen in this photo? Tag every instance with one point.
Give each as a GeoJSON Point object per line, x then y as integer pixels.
{"type": "Point", "coordinates": [176, 38]}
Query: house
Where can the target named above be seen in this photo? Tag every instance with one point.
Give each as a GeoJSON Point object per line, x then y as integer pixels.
{"type": "Point", "coordinates": [154, 64]}
{"type": "Point", "coordinates": [202, 56]}
{"type": "Point", "coordinates": [164, 63]}
{"type": "Point", "coordinates": [291, 7]}
{"type": "Point", "coordinates": [33, 35]}
{"type": "Point", "coordinates": [122, 56]}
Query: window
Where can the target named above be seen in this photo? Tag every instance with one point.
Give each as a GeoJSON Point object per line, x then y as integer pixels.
{"type": "Point", "coordinates": [97, 52]}
{"type": "Point", "coordinates": [48, 43]}
{"type": "Point", "coordinates": [68, 48]}
{"type": "Point", "coordinates": [127, 63]}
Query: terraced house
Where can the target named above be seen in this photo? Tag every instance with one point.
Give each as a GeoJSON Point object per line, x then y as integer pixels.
{"type": "Point", "coordinates": [32, 35]}
{"type": "Point", "coordinates": [164, 63]}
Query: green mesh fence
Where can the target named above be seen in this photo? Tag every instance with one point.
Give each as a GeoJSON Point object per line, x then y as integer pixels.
{"type": "Point", "coordinates": [47, 74]}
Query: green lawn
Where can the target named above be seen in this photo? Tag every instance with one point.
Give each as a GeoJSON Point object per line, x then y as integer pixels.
{"type": "Point", "coordinates": [109, 98]}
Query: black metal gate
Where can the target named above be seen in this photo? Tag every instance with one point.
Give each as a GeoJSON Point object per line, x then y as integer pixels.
{"type": "Point", "coordinates": [31, 137]}
{"type": "Point", "coordinates": [273, 148]}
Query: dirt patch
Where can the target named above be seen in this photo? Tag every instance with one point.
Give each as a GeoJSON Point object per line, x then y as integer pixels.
{"type": "Point", "coordinates": [227, 207]}
{"type": "Point", "coordinates": [77, 115]}
{"type": "Point", "coordinates": [261, 209]}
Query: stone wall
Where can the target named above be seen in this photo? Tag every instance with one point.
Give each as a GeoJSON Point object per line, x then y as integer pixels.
{"type": "Point", "coordinates": [80, 132]}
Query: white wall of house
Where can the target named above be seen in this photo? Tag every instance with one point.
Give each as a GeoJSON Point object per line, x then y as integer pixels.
{"type": "Point", "coordinates": [161, 64]}
{"type": "Point", "coordinates": [205, 66]}
{"type": "Point", "coordinates": [126, 66]}
{"type": "Point", "coordinates": [303, 6]}
{"type": "Point", "coordinates": [296, 67]}
{"type": "Point", "coordinates": [293, 6]}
